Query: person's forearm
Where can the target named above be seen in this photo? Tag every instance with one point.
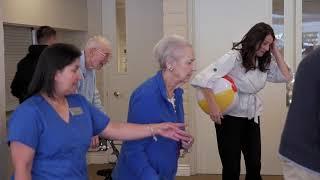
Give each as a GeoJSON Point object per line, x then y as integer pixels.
{"type": "Point", "coordinates": [207, 93]}
{"type": "Point", "coordinates": [285, 70]}
{"type": "Point", "coordinates": [128, 131]}
{"type": "Point", "coordinates": [22, 174]}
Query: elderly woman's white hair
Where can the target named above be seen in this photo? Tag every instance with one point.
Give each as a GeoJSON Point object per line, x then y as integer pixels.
{"type": "Point", "coordinates": [166, 50]}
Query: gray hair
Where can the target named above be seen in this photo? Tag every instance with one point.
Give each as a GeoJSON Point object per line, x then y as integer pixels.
{"type": "Point", "coordinates": [97, 42]}
{"type": "Point", "coordinates": [165, 49]}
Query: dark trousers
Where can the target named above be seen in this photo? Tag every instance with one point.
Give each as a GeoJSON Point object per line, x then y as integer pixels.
{"type": "Point", "coordinates": [236, 135]}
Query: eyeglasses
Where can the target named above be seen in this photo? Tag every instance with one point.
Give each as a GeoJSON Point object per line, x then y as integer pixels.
{"type": "Point", "coordinates": [105, 55]}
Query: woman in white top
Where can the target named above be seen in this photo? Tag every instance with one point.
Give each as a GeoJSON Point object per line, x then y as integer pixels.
{"type": "Point", "coordinates": [251, 63]}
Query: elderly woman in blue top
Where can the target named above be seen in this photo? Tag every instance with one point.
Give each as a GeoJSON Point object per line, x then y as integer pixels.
{"type": "Point", "coordinates": [251, 63]}
{"type": "Point", "coordinates": [159, 99]}
{"type": "Point", "coordinates": [49, 134]}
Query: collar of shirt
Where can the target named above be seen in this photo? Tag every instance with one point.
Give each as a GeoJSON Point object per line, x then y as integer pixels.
{"type": "Point", "coordinates": [163, 90]}
{"type": "Point", "coordinates": [83, 64]}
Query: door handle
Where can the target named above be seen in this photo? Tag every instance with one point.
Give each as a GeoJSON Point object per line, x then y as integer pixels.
{"type": "Point", "coordinates": [116, 93]}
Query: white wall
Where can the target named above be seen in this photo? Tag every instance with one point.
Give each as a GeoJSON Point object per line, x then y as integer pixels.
{"type": "Point", "coordinates": [70, 14]}
{"type": "Point", "coordinates": [217, 25]}
{"type": "Point", "coordinates": [94, 17]}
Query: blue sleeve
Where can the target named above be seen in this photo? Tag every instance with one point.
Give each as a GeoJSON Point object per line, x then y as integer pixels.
{"type": "Point", "coordinates": [99, 119]}
{"type": "Point", "coordinates": [25, 126]}
{"type": "Point", "coordinates": [134, 151]}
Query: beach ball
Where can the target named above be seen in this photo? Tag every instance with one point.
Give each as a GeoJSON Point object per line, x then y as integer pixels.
{"type": "Point", "coordinates": [224, 92]}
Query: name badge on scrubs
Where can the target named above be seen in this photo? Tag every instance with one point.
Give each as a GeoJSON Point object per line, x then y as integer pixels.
{"type": "Point", "coordinates": [75, 111]}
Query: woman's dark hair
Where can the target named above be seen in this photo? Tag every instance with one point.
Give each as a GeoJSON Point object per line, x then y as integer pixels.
{"type": "Point", "coordinates": [247, 47]}
{"type": "Point", "coordinates": [52, 59]}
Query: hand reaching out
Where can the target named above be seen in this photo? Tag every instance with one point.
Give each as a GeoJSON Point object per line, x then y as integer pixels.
{"type": "Point", "coordinates": [187, 144]}
{"type": "Point", "coordinates": [94, 142]}
{"type": "Point", "coordinates": [172, 130]}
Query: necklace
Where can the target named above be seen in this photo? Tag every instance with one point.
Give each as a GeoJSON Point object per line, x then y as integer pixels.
{"type": "Point", "coordinates": [61, 107]}
{"type": "Point", "coordinates": [173, 102]}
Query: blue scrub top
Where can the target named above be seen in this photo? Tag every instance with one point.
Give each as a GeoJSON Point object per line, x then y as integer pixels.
{"type": "Point", "coordinates": [147, 159]}
{"type": "Point", "coordinates": [60, 147]}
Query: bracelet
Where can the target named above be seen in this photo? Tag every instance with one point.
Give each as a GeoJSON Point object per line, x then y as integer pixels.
{"type": "Point", "coordinates": [153, 134]}
{"type": "Point", "coordinates": [187, 150]}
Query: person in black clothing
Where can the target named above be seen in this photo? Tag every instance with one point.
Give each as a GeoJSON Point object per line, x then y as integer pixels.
{"type": "Point", "coordinates": [46, 35]}
{"type": "Point", "coordinates": [300, 141]}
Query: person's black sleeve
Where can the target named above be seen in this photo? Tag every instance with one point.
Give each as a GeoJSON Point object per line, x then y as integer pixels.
{"type": "Point", "coordinates": [19, 84]}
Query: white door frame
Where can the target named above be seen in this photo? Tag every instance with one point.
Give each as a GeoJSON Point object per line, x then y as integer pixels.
{"type": "Point", "coordinates": [108, 13]}
{"type": "Point", "coordinates": [191, 93]}
{"type": "Point", "coordinates": [4, 171]}
{"type": "Point", "coordinates": [293, 32]}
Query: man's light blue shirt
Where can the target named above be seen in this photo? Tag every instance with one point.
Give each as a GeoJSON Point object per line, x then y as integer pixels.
{"type": "Point", "coordinates": [87, 84]}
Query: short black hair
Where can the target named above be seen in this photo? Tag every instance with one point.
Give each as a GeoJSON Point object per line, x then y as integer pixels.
{"type": "Point", "coordinates": [53, 58]}
{"type": "Point", "coordinates": [44, 33]}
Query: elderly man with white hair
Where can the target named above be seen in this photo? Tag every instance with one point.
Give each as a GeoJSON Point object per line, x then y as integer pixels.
{"type": "Point", "coordinates": [94, 56]}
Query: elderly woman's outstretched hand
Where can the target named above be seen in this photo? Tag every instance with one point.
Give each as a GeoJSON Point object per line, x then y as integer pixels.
{"type": "Point", "coordinates": [186, 145]}
{"type": "Point", "coordinates": [171, 130]}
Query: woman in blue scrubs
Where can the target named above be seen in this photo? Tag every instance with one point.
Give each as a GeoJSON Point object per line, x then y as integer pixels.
{"type": "Point", "coordinates": [49, 134]}
{"type": "Point", "coordinates": [157, 100]}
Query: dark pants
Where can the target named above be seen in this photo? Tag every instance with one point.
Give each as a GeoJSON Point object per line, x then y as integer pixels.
{"type": "Point", "coordinates": [236, 135]}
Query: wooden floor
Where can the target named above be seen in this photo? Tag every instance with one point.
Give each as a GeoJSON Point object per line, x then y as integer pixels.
{"type": "Point", "coordinates": [218, 177]}
{"type": "Point", "coordinates": [94, 167]}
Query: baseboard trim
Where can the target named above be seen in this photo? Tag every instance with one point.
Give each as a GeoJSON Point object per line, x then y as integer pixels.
{"type": "Point", "coordinates": [184, 170]}
{"type": "Point", "coordinates": [102, 158]}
